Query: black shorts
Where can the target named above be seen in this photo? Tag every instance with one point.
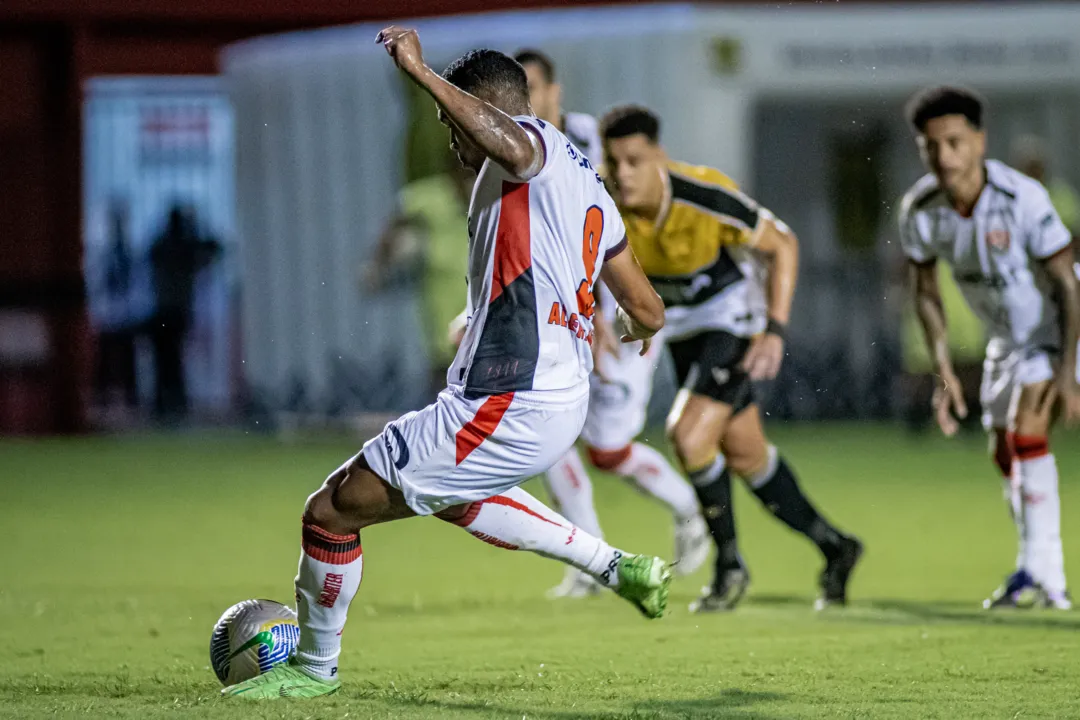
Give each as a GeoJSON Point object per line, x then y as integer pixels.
{"type": "Point", "coordinates": [710, 364]}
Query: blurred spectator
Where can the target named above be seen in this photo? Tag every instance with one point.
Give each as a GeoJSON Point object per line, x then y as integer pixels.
{"type": "Point", "coordinates": [177, 256]}
{"type": "Point", "coordinates": [112, 285]}
{"type": "Point", "coordinates": [1028, 155]}
{"type": "Point", "coordinates": [427, 243]}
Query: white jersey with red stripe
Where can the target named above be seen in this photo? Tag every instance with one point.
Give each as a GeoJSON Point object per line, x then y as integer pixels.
{"type": "Point", "coordinates": [535, 251]}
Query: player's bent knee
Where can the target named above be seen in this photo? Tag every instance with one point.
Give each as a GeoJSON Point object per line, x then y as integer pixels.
{"type": "Point", "coordinates": [692, 444]}
{"type": "Point", "coordinates": [608, 460]}
{"type": "Point", "coordinates": [749, 462]}
{"type": "Point", "coordinates": [747, 455]}
{"type": "Point", "coordinates": [748, 466]}
{"type": "Point", "coordinates": [320, 511]}
{"type": "Point", "coordinates": [460, 515]}
{"type": "Point", "coordinates": [1002, 451]}
{"type": "Point", "coordinates": [352, 498]}
{"type": "Point", "coordinates": [692, 451]}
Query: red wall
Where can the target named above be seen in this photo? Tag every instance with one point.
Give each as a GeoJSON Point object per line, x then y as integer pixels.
{"type": "Point", "coordinates": [47, 48]}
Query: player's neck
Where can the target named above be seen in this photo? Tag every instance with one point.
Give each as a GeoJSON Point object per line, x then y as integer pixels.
{"type": "Point", "coordinates": [966, 196]}
{"type": "Point", "coordinates": [656, 208]}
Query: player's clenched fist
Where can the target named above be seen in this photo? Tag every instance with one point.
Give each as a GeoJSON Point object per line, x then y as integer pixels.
{"type": "Point", "coordinates": [403, 45]}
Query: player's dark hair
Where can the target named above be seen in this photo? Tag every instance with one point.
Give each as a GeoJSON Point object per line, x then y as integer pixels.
{"type": "Point", "coordinates": [935, 102]}
{"type": "Point", "coordinates": [626, 120]}
{"type": "Point", "coordinates": [491, 73]}
{"type": "Point", "coordinates": [537, 58]}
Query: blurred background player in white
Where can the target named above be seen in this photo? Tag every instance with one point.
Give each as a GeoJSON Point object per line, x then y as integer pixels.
{"type": "Point", "coordinates": [542, 230]}
{"type": "Point", "coordinates": [1012, 259]}
{"type": "Point", "coordinates": [545, 96]}
{"type": "Point", "coordinates": [620, 387]}
{"type": "Point", "coordinates": [424, 248]}
{"type": "Point", "coordinates": [726, 270]}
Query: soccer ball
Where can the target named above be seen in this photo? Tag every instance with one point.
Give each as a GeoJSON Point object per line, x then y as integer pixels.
{"type": "Point", "coordinates": [250, 638]}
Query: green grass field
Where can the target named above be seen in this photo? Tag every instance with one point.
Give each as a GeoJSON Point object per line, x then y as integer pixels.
{"type": "Point", "coordinates": [117, 556]}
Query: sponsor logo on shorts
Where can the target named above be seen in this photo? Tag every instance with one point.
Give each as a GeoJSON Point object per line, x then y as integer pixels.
{"type": "Point", "coordinates": [401, 457]}
{"type": "Point", "coordinates": [612, 567]}
{"type": "Point", "coordinates": [721, 375]}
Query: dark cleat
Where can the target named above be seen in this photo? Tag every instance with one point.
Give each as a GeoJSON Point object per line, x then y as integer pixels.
{"type": "Point", "coordinates": [1015, 592]}
{"type": "Point", "coordinates": [724, 594]}
{"type": "Point", "coordinates": [837, 573]}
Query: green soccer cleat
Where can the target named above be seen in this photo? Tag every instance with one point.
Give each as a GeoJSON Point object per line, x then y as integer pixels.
{"type": "Point", "coordinates": [644, 581]}
{"type": "Point", "coordinates": [284, 681]}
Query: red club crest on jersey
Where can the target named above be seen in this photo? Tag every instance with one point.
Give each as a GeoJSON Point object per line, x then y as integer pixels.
{"type": "Point", "coordinates": [998, 239]}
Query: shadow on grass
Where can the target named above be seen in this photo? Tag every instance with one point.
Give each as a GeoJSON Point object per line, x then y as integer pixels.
{"type": "Point", "coordinates": [732, 703]}
{"type": "Point", "coordinates": [964, 613]}
{"type": "Point", "coordinates": [886, 611]}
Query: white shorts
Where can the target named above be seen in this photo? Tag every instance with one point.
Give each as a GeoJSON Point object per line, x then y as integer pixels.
{"type": "Point", "coordinates": [617, 406]}
{"type": "Point", "coordinates": [457, 451]}
{"type": "Point", "coordinates": [1004, 374]}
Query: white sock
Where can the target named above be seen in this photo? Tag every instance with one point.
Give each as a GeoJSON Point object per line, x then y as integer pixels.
{"type": "Point", "coordinates": [1003, 454]}
{"type": "Point", "coordinates": [516, 520]}
{"type": "Point", "coordinates": [1044, 557]}
{"type": "Point", "coordinates": [1014, 498]}
{"type": "Point", "coordinates": [331, 567]}
{"type": "Point", "coordinates": [571, 492]}
{"type": "Point", "coordinates": [653, 475]}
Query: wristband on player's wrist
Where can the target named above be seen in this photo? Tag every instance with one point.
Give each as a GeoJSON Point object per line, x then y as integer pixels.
{"type": "Point", "coordinates": [775, 327]}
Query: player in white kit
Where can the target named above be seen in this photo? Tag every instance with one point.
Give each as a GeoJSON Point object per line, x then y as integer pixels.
{"type": "Point", "coordinates": [1012, 260]}
{"type": "Point", "coordinates": [619, 390]}
{"type": "Point", "coordinates": [542, 230]}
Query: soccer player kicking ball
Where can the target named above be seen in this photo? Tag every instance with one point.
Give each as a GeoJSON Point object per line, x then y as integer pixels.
{"type": "Point", "coordinates": [698, 239]}
{"type": "Point", "coordinates": [619, 392]}
{"type": "Point", "coordinates": [542, 231]}
{"type": "Point", "coordinates": [1012, 260]}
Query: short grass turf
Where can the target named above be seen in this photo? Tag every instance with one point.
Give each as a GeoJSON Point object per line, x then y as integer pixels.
{"type": "Point", "coordinates": [118, 554]}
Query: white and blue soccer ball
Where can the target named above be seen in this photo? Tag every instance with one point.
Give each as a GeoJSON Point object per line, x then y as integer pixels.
{"type": "Point", "coordinates": [250, 638]}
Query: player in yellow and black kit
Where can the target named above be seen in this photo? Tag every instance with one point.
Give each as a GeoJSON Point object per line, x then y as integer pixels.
{"type": "Point", "coordinates": [726, 269]}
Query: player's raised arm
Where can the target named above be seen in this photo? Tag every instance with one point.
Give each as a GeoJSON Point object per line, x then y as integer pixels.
{"type": "Point", "coordinates": [775, 239]}
{"type": "Point", "coordinates": [641, 311]}
{"type": "Point", "coordinates": [491, 130]}
{"type": "Point", "coordinates": [1060, 267]}
{"type": "Point", "coordinates": [948, 393]}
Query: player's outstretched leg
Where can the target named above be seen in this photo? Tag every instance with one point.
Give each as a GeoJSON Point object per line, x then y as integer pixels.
{"type": "Point", "coordinates": [712, 482]}
{"type": "Point", "coordinates": [331, 566]}
{"type": "Point", "coordinates": [778, 490]}
{"type": "Point", "coordinates": [515, 520]}
{"type": "Point", "coordinates": [571, 492]}
{"type": "Point", "coordinates": [1019, 584]}
{"type": "Point", "coordinates": [652, 475]}
{"type": "Point", "coordinates": [1038, 473]}
{"type": "Point", "coordinates": [696, 424]}
{"type": "Point", "coordinates": [774, 484]}
{"type": "Point", "coordinates": [1041, 565]}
